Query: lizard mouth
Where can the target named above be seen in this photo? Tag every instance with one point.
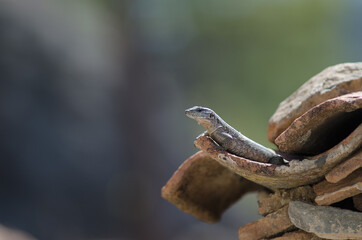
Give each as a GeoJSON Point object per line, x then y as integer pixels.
{"type": "Point", "coordinates": [196, 113]}
{"type": "Point", "coordinates": [196, 116]}
{"type": "Point", "coordinates": [188, 113]}
{"type": "Point", "coordinates": [191, 113]}
{"type": "Point", "coordinates": [199, 117]}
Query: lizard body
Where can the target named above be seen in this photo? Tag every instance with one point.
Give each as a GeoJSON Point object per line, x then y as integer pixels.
{"type": "Point", "coordinates": [230, 139]}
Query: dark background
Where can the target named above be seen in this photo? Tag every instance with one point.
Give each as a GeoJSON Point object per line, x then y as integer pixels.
{"type": "Point", "coordinates": [92, 99]}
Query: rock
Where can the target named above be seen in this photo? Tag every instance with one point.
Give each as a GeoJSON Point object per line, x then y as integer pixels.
{"type": "Point", "coordinates": [357, 202]}
{"type": "Point", "coordinates": [297, 235]}
{"type": "Point", "coordinates": [204, 188]}
{"type": "Point", "coordinates": [330, 83]}
{"type": "Point", "coordinates": [326, 222]}
{"type": "Point", "coordinates": [328, 193]}
{"type": "Point", "coordinates": [271, 225]}
{"type": "Point", "coordinates": [345, 168]}
{"type": "Point", "coordinates": [296, 173]}
{"type": "Point", "coordinates": [339, 195]}
{"type": "Point", "coordinates": [323, 126]}
{"type": "Point", "coordinates": [274, 201]}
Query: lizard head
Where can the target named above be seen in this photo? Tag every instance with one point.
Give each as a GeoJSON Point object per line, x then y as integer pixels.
{"type": "Point", "coordinates": [205, 116]}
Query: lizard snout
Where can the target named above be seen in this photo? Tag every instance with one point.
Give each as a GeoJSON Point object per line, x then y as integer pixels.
{"type": "Point", "coordinates": [192, 112]}
{"type": "Point", "coordinates": [188, 112]}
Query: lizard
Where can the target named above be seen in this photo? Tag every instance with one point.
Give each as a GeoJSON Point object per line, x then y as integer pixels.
{"type": "Point", "coordinates": [230, 139]}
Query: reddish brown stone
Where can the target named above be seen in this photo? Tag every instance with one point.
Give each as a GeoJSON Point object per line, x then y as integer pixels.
{"type": "Point", "coordinates": [296, 173]}
{"type": "Point", "coordinates": [344, 169]}
{"type": "Point", "coordinates": [271, 225]}
{"type": "Point", "coordinates": [323, 126]}
{"type": "Point", "coordinates": [297, 235]}
{"type": "Point", "coordinates": [339, 195]}
{"type": "Point", "coordinates": [327, 187]}
{"type": "Point", "coordinates": [357, 202]}
{"type": "Point", "coordinates": [280, 198]}
{"type": "Point", "coordinates": [204, 188]}
{"type": "Point", "coordinates": [330, 83]}
{"type": "Point", "coordinates": [328, 193]}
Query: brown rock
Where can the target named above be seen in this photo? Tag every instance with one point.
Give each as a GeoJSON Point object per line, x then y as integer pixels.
{"type": "Point", "coordinates": [330, 83]}
{"type": "Point", "coordinates": [268, 226]}
{"type": "Point", "coordinates": [297, 235]}
{"type": "Point", "coordinates": [326, 222]}
{"type": "Point", "coordinates": [345, 168]}
{"type": "Point", "coordinates": [322, 126]}
{"type": "Point", "coordinates": [280, 198]}
{"type": "Point", "coordinates": [204, 188]}
{"type": "Point", "coordinates": [328, 193]}
{"type": "Point", "coordinates": [357, 202]}
{"type": "Point", "coordinates": [296, 173]}
{"type": "Point", "coordinates": [337, 196]}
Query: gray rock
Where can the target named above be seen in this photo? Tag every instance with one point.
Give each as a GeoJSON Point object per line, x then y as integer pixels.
{"type": "Point", "coordinates": [326, 222]}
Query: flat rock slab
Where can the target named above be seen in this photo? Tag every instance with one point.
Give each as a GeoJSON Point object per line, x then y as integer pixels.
{"type": "Point", "coordinates": [281, 198]}
{"type": "Point", "coordinates": [271, 225]}
{"type": "Point", "coordinates": [322, 126]}
{"type": "Point", "coordinates": [204, 188]}
{"type": "Point", "coordinates": [328, 193]}
{"type": "Point", "coordinates": [339, 195]}
{"type": "Point", "coordinates": [294, 174]}
{"type": "Point", "coordinates": [297, 235]}
{"type": "Point", "coordinates": [332, 82]}
{"type": "Point", "coordinates": [345, 168]}
{"type": "Point", "coordinates": [326, 222]}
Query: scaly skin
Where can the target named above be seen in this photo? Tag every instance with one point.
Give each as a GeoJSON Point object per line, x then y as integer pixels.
{"type": "Point", "coordinates": [230, 139]}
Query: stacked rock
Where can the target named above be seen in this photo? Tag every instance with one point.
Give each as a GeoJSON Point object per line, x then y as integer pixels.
{"type": "Point", "coordinates": [318, 194]}
{"type": "Point", "coordinates": [321, 114]}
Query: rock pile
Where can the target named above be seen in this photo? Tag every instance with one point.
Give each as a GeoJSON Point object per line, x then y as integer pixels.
{"type": "Point", "coordinates": [318, 129]}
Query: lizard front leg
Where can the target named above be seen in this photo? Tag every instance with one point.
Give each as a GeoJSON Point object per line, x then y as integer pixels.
{"type": "Point", "coordinates": [224, 139]}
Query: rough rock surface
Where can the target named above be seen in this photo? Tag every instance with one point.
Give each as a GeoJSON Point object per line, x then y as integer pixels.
{"type": "Point", "coordinates": [332, 82]}
{"type": "Point", "coordinates": [274, 201]}
{"type": "Point", "coordinates": [339, 195]}
{"type": "Point", "coordinates": [323, 126]}
{"type": "Point", "coordinates": [345, 168]}
{"type": "Point", "coordinates": [204, 188]}
{"type": "Point", "coordinates": [326, 222]}
{"type": "Point", "coordinates": [297, 235]}
{"type": "Point", "coordinates": [268, 226]}
{"type": "Point", "coordinates": [328, 193]}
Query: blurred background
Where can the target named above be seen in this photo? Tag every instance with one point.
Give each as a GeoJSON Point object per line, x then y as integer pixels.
{"type": "Point", "coordinates": [92, 99]}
